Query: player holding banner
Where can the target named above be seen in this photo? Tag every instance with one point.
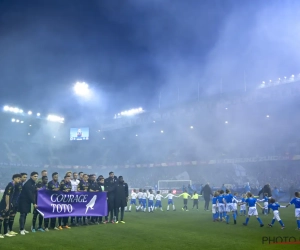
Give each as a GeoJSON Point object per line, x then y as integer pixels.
{"type": "Point", "coordinates": [53, 185]}
{"type": "Point", "coordinates": [65, 186]}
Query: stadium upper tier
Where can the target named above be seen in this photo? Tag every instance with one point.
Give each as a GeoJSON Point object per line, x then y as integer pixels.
{"type": "Point", "coordinates": [257, 123]}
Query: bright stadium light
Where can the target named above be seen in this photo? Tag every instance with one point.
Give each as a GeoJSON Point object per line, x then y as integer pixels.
{"type": "Point", "coordinates": [267, 116]}
{"type": "Point", "coordinates": [162, 131]}
{"type": "Point", "coordinates": [16, 110]}
{"type": "Point", "coordinates": [136, 135]}
{"type": "Point", "coordinates": [191, 127]}
{"type": "Point", "coordinates": [226, 122]}
{"type": "Point", "coordinates": [17, 120]}
{"type": "Point", "coordinates": [6, 108]}
{"type": "Point", "coordinates": [82, 89]}
{"type": "Point", "coordinates": [22, 121]}
{"type": "Point", "coordinates": [103, 138]}
{"type": "Point", "coordinates": [38, 114]}
{"type": "Point", "coordinates": [131, 112]}
{"type": "Point", "coordinates": [29, 112]}
{"type": "Point", "coordinates": [13, 120]}
{"type": "Point", "coordinates": [55, 118]}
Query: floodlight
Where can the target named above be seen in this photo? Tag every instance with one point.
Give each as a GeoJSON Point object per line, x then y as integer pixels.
{"type": "Point", "coordinates": [6, 108]}
{"type": "Point", "coordinates": [17, 120]}
{"type": "Point", "coordinates": [192, 127]}
{"type": "Point", "coordinates": [226, 122]}
{"type": "Point", "coordinates": [29, 112]}
{"type": "Point", "coordinates": [55, 118]}
{"type": "Point", "coordinates": [38, 114]}
{"type": "Point", "coordinates": [267, 116]}
{"type": "Point", "coordinates": [136, 135]}
{"type": "Point", "coordinates": [13, 120]}
{"type": "Point", "coordinates": [21, 111]}
{"type": "Point", "coordinates": [161, 131]}
{"type": "Point", "coordinates": [103, 138]}
{"type": "Point", "coordinates": [81, 89]}
{"type": "Point", "coordinates": [22, 121]}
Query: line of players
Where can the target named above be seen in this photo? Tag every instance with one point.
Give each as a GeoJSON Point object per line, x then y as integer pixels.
{"type": "Point", "coordinates": [147, 195]}
{"type": "Point", "coordinates": [224, 204]}
{"type": "Point", "coordinates": [20, 194]}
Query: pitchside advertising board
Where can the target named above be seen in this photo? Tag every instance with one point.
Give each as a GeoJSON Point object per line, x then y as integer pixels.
{"type": "Point", "coordinates": [61, 204]}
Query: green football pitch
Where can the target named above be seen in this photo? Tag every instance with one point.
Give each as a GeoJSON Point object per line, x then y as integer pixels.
{"type": "Point", "coordinates": [163, 230]}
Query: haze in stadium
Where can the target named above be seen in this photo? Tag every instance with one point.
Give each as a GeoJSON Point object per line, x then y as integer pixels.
{"type": "Point", "coordinates": [172, 96]}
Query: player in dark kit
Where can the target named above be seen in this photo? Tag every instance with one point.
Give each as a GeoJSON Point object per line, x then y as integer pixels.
{"type": "Point", "coordinates": [110, 185]}
{"type": "Point", "coordinates": [36, 214]}
{"type": "Point", "coordinates": [94, 187]}
{"type": "Point", "coordinates": [65, 186]}
{"type": "Point", "coordinates": [54, 186]}
{"type": "Point", "coordinates": [84, 186]}
{"type": "Point", "coordinates": [27, 198]}
{"type": "Point", "coordinates": [15, 201]}
{"type": "Point", "coordinates": [6, 205]}
{"type": "Point", "coordinates": [121, 198]}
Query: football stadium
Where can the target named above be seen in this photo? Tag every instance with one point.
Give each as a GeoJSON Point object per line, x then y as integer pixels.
{"type": "Point", "coordinates": [149, 124]}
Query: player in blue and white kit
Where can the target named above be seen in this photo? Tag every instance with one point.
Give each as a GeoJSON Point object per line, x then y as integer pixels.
{"type": "Point", "coordinates": [214, 207]}
{"type": "Point", "coordinates": [251, 201]}
{"type": "Point", "coordinates": [274, 206]}
{"type": "Point", "coordinates": [228, 200]}
{"type": "Point", "coordinates": [235, 202]}
{"type": "Point", "coordinates": [296, 202]}
{"type": "Point", "coordinates": [150, 201]}
{"type": "Point", "coordinates": [221, 205]}
{"type": "Point", "coordinates": [243, 205]}
{"type": "Point", "coordinates": [170, 200]}
{"type": "Point", "coordinates": [158, 200]}
{"type": "Point", "coordinates": [266, 203]}
{"type": "Point", "coordinates": [139, 196]}
{"type": "Point", "coordinates": [133, 196]}
{"type": "Point", "coordinates": [144, 200]}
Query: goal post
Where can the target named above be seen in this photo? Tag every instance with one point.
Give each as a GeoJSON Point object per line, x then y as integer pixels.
{"type": "Point", "coordinates": [173, 184]}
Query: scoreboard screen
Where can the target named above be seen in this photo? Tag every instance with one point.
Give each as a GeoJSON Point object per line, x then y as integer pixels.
{"type": "Point", "coordinates": [79, 134]}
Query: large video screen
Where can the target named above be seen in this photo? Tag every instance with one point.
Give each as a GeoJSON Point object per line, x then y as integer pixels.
{"type": "Point", "coordinates": [79, 134]}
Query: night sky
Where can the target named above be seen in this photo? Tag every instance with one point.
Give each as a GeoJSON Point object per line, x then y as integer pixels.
{"type": "Point", "coordinates": [130, 51]}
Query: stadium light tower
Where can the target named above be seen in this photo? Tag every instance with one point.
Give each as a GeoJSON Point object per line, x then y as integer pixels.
{"type": "Point", "coordinates": [82, 89]}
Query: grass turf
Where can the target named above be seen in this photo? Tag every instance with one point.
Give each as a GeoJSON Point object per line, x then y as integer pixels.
{"type": "Point", "coordinates": [161, 230]}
